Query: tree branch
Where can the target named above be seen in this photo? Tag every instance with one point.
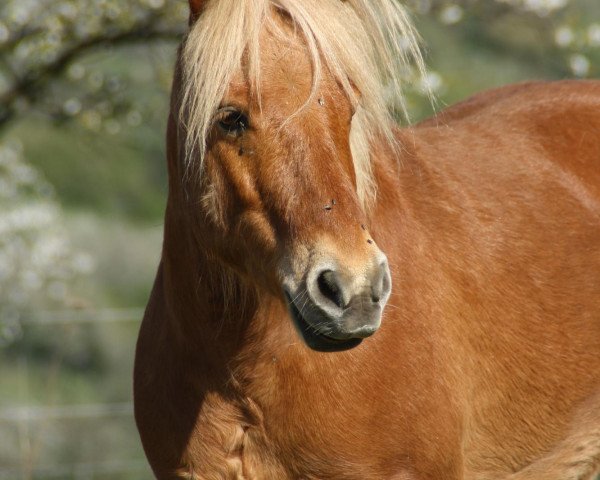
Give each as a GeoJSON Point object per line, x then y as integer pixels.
{"type": "Point", "coordinates": [33, 83]}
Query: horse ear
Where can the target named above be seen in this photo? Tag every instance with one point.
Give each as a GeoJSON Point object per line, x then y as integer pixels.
{"type": "Point", "coordinates": [196, 7]}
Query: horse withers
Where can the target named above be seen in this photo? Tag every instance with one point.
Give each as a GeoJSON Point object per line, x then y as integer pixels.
{"type": "Point", "coordinates": [339, 298]}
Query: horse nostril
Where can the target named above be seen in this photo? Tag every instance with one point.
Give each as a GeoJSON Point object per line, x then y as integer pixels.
{"type": "Point", "coordinates": [329, 287]}
{"type": "Point", "coordinates": [381, 283]}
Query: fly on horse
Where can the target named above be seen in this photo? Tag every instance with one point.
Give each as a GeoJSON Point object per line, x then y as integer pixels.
{"type": "Point", "coordinates": [341, 298]}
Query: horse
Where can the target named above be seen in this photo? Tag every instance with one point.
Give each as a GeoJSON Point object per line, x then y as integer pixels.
{"type": "Point", "coordinates": [340, 297]}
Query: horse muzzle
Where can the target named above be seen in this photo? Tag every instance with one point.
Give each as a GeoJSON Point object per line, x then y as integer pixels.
{"type": "Point", "coordinates": [337, 307]}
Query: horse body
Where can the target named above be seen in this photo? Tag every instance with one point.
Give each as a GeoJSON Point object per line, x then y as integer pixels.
{"type": "Point", "coordinates": [515, 184]}
{"type": "Point", "coordinates": [486, 364]}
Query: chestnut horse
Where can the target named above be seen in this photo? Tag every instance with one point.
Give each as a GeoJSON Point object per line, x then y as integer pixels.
{"type": "Point", "coordinates": [287, 183]}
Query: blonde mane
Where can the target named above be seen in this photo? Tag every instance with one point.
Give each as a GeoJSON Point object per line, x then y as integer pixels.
{"type": "Point", "coordinates": [366, 44]}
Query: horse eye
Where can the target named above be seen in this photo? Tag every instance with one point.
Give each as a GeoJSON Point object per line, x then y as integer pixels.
{"type": "Point", "coordinates": [233, 123]}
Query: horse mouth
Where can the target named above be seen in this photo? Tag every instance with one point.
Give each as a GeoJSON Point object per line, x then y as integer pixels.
{"type": "Point", "coordinates": [314, 338]}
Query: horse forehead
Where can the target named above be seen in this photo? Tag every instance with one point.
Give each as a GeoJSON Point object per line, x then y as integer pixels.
{"type": "Point", "coordinates": [280, 97]}
{"type": "Point", "coordinates": [286, 63]}
{"type": "Point", "coordinates": [283, 81]}
{"type": "Point", "coordinates": [285, 75]}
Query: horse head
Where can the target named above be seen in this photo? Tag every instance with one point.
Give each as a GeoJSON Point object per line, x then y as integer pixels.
{"type": "Point", "coordinates": [278, 124]}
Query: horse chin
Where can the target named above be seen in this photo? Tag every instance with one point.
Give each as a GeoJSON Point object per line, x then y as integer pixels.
{"type": "Point", "coordinates": [313, 338]}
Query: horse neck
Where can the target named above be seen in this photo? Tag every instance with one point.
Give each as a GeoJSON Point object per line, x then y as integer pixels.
{"type": "Point", "coordinates": [207, 304]}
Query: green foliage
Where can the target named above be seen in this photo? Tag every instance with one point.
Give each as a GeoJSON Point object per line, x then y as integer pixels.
{"type": "Point", "coordinates": [472, 45]}
{"type": "Point", "coordinates": [111, 175]}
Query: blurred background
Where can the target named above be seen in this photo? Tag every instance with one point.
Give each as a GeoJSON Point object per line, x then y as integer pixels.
{"type": "Point", "coordinates": [84, 88]}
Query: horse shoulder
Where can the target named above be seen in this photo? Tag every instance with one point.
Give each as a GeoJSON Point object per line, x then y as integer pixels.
{"type": "Point", "coordinates": [513, 177]}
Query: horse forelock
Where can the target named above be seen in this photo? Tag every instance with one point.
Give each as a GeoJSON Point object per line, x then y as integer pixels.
{"type": "Point", "coordinates": [368, 46]}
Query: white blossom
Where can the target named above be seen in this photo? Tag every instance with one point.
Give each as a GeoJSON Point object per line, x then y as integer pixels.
{"type": "Point", "coordinates": [580, 65]}
{"type": "Point", "coordinates": [593, 35]}
{"type": "Point", "coordinates": [564, 36]}
{"type": "Point", "coordinates": [451, 14]}
{"type": "Point", "coordinates": [37, 262]}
